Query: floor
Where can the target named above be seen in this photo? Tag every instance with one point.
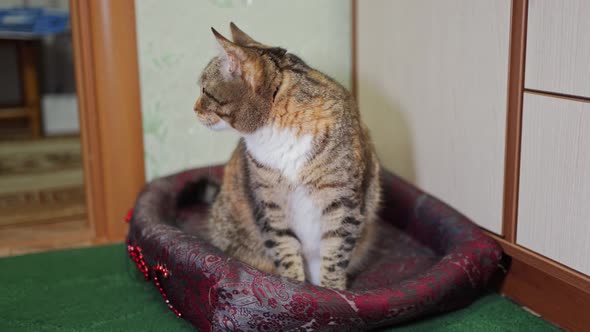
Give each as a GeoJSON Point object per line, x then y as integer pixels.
{"type": "Point", "coordinates": [41, 181]}
{"type": "Point", "coordinates": [98, 289]}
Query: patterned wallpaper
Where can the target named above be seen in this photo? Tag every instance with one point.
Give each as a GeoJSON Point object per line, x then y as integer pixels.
{"type": "Point", "coordinates": [175, 43]}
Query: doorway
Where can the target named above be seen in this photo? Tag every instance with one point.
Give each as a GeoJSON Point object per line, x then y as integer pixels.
{"type": "Point", "coordinates": [71, 154]}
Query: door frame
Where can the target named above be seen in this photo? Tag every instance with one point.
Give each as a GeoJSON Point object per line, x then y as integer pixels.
{"type": "Point", "coordinates": [107, 83]}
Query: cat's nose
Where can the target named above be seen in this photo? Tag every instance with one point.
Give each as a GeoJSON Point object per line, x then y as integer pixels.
{"type": "Point", "coordinates": [197, 106]}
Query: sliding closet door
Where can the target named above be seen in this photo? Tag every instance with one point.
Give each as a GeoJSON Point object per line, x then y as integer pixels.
{"type": "Point", "coordinates": [432, 83]}
{"type": "Point", "coordinates": [554, 196]}
{"type": "Point", "coordinates": [554, 200]}
{"type": "Point", "coordinates": [558, 47]}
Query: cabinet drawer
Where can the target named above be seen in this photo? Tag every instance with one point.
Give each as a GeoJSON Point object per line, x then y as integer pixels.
{"type": "Point", "coordinates": [554, 193]}
{"type": "Point", "coordinates": [558, 47]}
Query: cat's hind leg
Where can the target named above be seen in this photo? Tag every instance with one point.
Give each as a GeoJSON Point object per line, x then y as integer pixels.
{"type": "Point", "coordinates": [238, 242]}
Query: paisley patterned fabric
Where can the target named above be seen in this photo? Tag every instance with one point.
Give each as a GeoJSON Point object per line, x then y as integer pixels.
{"type": "Point", "coordinates": [430, 259]}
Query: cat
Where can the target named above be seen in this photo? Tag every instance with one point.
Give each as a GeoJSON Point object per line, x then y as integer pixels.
{"type": "Point", "coordinates": [301, 190]}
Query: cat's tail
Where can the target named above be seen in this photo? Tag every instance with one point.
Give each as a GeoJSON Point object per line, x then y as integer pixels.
{"type": "Point", "coordinates": [199, 191]}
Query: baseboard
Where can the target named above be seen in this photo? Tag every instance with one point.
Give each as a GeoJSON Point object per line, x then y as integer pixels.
{"type": "Point", "coordinates": [550, 297]}
{"type": "Point", "coordinates": [558, 294]}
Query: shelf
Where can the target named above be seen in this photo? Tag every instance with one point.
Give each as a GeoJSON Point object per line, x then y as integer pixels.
{"type": "Point", "coordinates": [14, 113]}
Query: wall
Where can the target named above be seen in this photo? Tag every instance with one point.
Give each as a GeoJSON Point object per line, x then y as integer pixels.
{"type": "Point", "coordinates": [175, 43]}
{"type": "Point", "coordinates": [432, 89]}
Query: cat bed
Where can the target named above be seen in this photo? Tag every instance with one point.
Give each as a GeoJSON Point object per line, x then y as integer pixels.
{"type": "Point", "coordinates": [429, 259]}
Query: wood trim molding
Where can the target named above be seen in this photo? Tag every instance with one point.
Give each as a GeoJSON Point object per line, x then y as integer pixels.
{"type": "Point", "coordinates": [540, 262]}
{"type": "Point", "coordinates": [89, 131]}
{"type": "Point", "coordinates": [558, 95]}
{"type": "Point", "coordinates": [107, 75]}
{"type": "Point", "coordinates": [540, 291]}
{"type": "Point", "coordinates": [556, 292]}
{"type": "Point", "coordinates": [514, 118]}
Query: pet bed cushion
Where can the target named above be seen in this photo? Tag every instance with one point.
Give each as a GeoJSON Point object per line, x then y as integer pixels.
{"type": "Point", "coordinates": [429, 259]}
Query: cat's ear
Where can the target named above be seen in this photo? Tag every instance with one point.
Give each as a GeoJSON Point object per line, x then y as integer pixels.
{"type": "Point", "coordinates": [240, 37]}
{"type": "Point", "coordinates": [234, 53]}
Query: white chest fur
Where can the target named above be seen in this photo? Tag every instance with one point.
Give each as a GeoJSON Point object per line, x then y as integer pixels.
{"type": "Point", "coordinates": [282, 150]}
{"type": "Point", "coordinates": [305, 222]}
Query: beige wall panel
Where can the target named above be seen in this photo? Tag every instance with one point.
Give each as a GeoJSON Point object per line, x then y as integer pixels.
{"type": "Point", "coordinates": [432, 87]}
{"type": "Point", "coordinates": [558, 47]}
{"type": "Point", "coordinates": [554, 199]}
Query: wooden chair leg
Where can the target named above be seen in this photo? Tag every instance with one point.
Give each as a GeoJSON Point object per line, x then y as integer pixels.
{"type": "Point", "coordinates": [30, 87]}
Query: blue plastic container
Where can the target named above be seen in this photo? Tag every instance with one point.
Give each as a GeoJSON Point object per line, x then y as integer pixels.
{"type": "Point", "coordinates": [34, 21]}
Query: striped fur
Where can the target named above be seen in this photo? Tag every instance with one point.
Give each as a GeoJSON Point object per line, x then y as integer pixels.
{"type": "Point", "coordinates": [301, 190]}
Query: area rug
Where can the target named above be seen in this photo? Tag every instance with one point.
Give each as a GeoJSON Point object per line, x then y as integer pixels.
{"type": "Point", "coordinates": [99, 289]}
{"type": "Point", "coordinates": [41, 181]}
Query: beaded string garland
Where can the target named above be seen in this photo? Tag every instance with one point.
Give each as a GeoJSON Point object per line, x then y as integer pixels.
{"type": "Point", "coordinates": [135, 253]}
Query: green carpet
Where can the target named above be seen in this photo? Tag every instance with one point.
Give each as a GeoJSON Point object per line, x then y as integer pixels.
{"type": "Point", "coordinates": [99, 289]}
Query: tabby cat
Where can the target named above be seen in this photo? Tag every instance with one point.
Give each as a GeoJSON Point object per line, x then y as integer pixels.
{"type": "Point", "coordinates": [301, 190]}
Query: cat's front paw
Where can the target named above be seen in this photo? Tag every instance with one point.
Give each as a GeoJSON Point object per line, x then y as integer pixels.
{"type": "Point", "coordinates": [293, 271]}
{"type": "Point", "coordinates": [336, 283]}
